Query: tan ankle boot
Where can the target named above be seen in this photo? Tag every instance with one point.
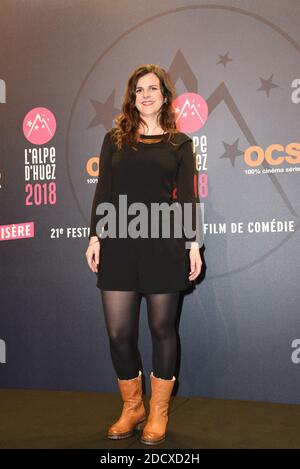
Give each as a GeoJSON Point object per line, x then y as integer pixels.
{"type": "Point", "coordinates": [133, 414]}
{"type": "Point", "coordinates": [155, 429]}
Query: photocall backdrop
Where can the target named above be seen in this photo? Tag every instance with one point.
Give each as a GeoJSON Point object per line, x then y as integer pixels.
{"type": "Point", "coordinates": [63, 70]}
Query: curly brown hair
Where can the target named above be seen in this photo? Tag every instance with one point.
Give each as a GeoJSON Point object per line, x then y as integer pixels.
{"type": "Point", "coordinates": [128, 121]}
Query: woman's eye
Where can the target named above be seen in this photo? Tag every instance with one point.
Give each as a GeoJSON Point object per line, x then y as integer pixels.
{"type": "Point", "coordinates": [155, 88]}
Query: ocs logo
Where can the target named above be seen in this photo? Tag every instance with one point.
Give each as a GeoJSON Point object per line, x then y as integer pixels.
{"type": "Point", "coordinates": [274, 154]}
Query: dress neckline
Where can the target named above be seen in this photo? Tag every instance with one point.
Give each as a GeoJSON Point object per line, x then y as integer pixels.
{"type": "Point", "coordinates": [153, 135]}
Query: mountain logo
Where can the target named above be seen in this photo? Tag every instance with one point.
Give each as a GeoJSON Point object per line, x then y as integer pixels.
{"type": "Point", "coordinates": [39, 125]}
{"type": "Point", "coordinates": [191, 112]}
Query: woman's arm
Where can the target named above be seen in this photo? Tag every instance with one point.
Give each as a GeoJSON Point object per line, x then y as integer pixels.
{"type": "Point", "coordinates": [104, 185]}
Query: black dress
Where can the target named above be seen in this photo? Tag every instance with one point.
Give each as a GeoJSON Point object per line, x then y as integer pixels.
{"type": "Point", "coordinates": [147, 265]}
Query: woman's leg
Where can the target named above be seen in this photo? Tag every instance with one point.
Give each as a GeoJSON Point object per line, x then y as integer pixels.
{"type": "Point", "coordinates": [121, 311]}
{"type": "Point", "coordinates": [162, 308]}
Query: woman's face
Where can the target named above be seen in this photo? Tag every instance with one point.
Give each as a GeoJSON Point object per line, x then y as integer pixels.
{"type": "Point", "coordinates": [149, 97]}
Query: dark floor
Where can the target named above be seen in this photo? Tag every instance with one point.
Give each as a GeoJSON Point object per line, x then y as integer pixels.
{"type": "Point", "coordinates": [54, 419]}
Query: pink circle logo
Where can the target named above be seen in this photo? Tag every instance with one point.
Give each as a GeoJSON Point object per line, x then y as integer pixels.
{"type": "Point", "coordinates": [191, 112]}
{"type": "Point", "coordinates": [39, 125]}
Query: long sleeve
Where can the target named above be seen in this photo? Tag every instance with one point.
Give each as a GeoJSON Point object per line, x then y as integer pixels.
{"type": "Point", "coordinates": [104, 184]}
{"type": "Point", "coordinates": [186, 193]}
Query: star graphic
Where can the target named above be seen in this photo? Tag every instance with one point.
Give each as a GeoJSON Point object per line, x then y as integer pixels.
{"type": "Point", "coordinates": [266, 85]}
{"type": "Point", "coordinates": [224, 59]}
{"type": "Point", "coordinates": [105, 112]}
{"type": "Point", "coordinates": [231, 151]}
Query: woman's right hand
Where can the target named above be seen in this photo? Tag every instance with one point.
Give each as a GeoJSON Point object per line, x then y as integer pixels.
{"type": "Point", "coordinates": [93, 253]}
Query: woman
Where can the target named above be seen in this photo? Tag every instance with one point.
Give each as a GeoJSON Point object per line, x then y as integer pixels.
{"type": "Point", "coordinates": [142, 158]}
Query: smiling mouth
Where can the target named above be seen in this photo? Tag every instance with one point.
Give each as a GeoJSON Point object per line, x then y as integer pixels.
{"type": "Point", "coordinates": [147, 103]}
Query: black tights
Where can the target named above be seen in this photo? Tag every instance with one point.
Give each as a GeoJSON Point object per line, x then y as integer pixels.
{"type": "Point", "coordinates": [121, 310]}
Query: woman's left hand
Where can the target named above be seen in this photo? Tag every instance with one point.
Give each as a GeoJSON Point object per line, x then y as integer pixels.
{"type": "Point", "coordinates": [195, 262]}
